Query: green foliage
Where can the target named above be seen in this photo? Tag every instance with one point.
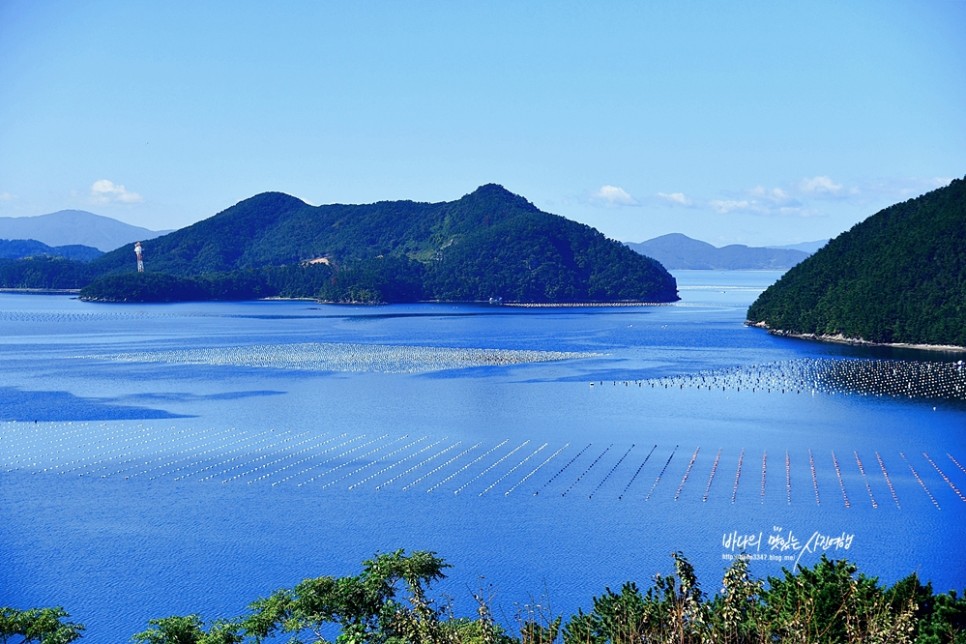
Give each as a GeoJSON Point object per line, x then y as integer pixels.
{"type": "Point", "coordinates": [44, 273]}
{"type": "Point", "coordinates": [144, 287]}
{"type": "Point", "coordinates": [364, 607]}
{"type": "Point", "coordinates": [827, 603]}
{"type": "Point", "coordinates": [42, 625]}
{"type": "Point", "coordinates": [188, 630]}
{"type": "Point", "coordinates": [898, 276]}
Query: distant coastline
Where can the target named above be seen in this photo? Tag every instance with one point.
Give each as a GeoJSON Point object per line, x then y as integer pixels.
{"type": "Point", "coordinates": [841, 339]}
{"type": "Point", "coordinates": [41, 291]}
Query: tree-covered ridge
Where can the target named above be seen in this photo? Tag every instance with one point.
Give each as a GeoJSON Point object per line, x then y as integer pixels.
{"type": "Point", "coordinates": [24, 248]}
{"type": "Point", "coordinates": [488, 244]}
{"type": "Point", "coordinates": [897, 277]}
{"type": "Point", "coordinates": [389, 602]}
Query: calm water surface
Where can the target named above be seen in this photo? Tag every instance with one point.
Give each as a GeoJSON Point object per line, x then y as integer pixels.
{"type": "Point", "coordinates": [159, 460]}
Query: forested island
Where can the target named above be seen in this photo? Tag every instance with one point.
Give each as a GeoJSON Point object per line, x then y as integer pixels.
{"type": "Point", "coordinates": [389, 603]}
{"type": "Point", "coordinates": [899, 277]}
{"type": "Point", "coordinates": [488, 245]}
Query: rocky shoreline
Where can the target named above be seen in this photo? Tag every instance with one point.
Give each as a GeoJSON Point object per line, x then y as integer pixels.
{"type": "Point", "coordinates": [841, 339]}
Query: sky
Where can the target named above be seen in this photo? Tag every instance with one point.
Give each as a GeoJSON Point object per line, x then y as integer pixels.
{"type": "Point", "coordinates": [760, 123]}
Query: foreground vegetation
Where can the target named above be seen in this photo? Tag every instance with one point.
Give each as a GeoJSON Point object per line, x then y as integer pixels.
{"type": "Point", "coordinates": [829, 602]}
{"type": "Point", "coordinates": [898, 276]}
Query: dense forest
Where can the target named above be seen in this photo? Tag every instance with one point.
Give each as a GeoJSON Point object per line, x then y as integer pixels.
{"type": "Point", "coordinates": [488, 244]}
{"type": "Point", "coordinates": [897, 277]}
{"type": "Point", "coordinates": [389, 603]}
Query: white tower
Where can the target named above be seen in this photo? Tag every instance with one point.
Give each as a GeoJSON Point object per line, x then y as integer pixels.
{"type": "Point", "coordinates": [137, 252]}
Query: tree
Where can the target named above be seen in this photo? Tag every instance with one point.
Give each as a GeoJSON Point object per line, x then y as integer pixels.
{"type": "Point", "coordinates": [43, 625]}
{"type": "Point", "coordinates": [364, 608]}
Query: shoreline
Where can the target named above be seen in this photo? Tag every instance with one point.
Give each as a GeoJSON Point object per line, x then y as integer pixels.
{"type": "Point", "coordinates": [859, 342]}
{"type": "Point", "coordinates": [41, 291]}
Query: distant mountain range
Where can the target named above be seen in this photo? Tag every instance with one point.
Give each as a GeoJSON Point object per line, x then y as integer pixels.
{"type": "Point", "coordinates": [677, 251]}
{"type": "Point", "coordinates": [22, 248]}
{"type": "Point", "coordinates": [74, 227]}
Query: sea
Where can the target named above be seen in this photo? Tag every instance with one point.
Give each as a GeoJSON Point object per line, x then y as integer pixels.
{"type": "Point", "coordinates": [177, 459]}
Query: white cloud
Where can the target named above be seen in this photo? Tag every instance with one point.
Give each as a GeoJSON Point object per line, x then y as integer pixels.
{"type": "Point", "coordinates": [106, 191]}
{"type": "Point", "coordinates": [676, 198]}
{"type": "Point", "coordinates": [773, 195]}
{"type": "Point", "coordinates": [820, 185]}
{"type": "Point", "coordinates": [724, 206]}
{"type": "Point", "coordinates": [614, 196]}
{"type": "Point", "coordinates": [6, 196]}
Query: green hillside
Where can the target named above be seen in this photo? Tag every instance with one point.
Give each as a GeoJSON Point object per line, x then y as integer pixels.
{"type": "Point", "coordinates": [897, 277]}
{"type": "Point", "coordinates": [488, 244]}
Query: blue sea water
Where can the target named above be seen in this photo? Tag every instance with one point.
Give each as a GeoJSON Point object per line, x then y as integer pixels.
{"type": "Point", "coordinates": [190, 458]}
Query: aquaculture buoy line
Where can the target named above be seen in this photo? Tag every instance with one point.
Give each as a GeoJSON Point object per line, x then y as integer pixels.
{"type": "Point", "coordinates": [885, 476]}
{"type": "Point", "coordinates": [906, 379]}
{"type": "Point", "coordinates": [922, 483]}
{"type": "Point", "coordinates": [945, 478]}
{"type": "Point", "coordinates": [343, 357]}
{"type": "Point", "coordinates": [865, 479]}
{"type": "Point", "coordinates": [324, 462]}
{"type": "Point", "coordinates": [788, 478]}
{"type": "Point", "coordinates": [734, 490]}
{"type": "Point", "coordinates": [838, 475]}
{"type": "Point", "coordinates": [661, 473]}
{"type": "Point", "coordinates": [714, 469]}
{"type": "Point", "coordinates": [687, 473]}
{"type": "Point", "coordinates": [636, 473]}
{"type": "Point", "coordinates": [811, 465]}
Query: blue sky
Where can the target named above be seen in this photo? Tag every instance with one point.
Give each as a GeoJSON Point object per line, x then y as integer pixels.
{"type": "Point", "coordinates": [732, 122]}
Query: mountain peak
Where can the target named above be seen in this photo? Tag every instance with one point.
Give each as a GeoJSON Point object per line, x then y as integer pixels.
{"type": "Point", "coordinates": [496, 194]}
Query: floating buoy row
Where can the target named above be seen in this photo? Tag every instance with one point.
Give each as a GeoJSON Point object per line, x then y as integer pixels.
{"type": "Point", "coordinates": [788, 478]}
{"type": "Point", "coordinates": [241, 449]}
{"type": "Point", "coordinates": [589, 467]}
{"type": "Point", "coordinates": [38, 317]}
{"type": "Point", "coordinates": [838, 475]}
{"type": "Point", "coordinates": [637, 472]}
{"type": "Point", "coordinates": [714, 468]}
{"type": "Point", "coordinates": [492, 465]}
{"type": "Point", "coordinates": [687, 473]}
{"type": "Point", "coordinates": [811, 465]}
{"type": "Point", "coordinates": [612, 470]}
{"type": "Point", "coordinates": [440, 467]}
{"type": "Point", "coordinates": [945, 478]}
{"type": "Point", "coordinates": [239, 466]}
{"type": "Point", "coordinates": [422, 463]}
{"type": "Point", "coordinates": [395, 463]}
{"type": "Point", "coordinates": [361, 457]}
{"type": "Point", "coordinates": [562, 469]}
{"type": "Point", "coordinates": [535, 470]}
{"type": "Point", "coordinates": [734, 490]}
{"type": "Point", "coordinates": [321, 462]}
{"type": "Point", "coordinates": [885, 475]}
{"type": "Point", "coordinates": [922, 483]}
{"type": "Point", "coordinates": [764, 469]}
{"type": "Point", "coordinates": [888, 378]}
{"type": "Point", "coordinates": [367, 465]}
{"type": "Point", "coordinates": [868, 488]}
{"type": "Point", "coordinates": [956, 463]}
{"type": "Point", "coordinates": [315, 457]}
{"type": "Point", "coordinates": [661, 473]}
{"type": "Point", "coordinates": [272, 468]}
{"type": "Point", "coordinates": [513, 469]}
{"type": "Point", "coordinates": [474, 462]}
